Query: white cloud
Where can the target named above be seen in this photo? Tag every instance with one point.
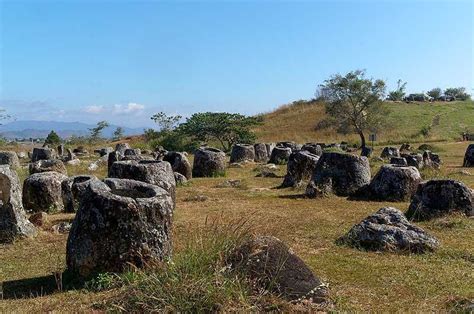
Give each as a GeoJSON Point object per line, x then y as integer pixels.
{"type": "Point", "coordinates": [94, 109]}
{"type": "Point", "coordinates": [130, 108]}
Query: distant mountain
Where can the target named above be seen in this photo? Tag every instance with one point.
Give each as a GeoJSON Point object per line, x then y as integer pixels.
{"type": "Point", "coordinates": [40, 129]}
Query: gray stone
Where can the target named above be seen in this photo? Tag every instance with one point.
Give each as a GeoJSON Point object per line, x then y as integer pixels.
{"type": "Point", "coordinates": [120, 223]}
{"type": "Point", "coordinates": [180, 179]}
{"type": "Point", "coordinates": [389, 230]}
{"type": "Point", "coordinates": [22, 155]}
{"type": "Point", "coordinates": [122, 147]}
{"type": "Point", "coordinates": [395, 183]}
{"type": "Point", "coordinates": [272, 266]}
{"type": "Point", "coordinates": [270, 147]}
{"type": "Point", "coordinates": [431, 160]}
{"type": "Point", "coordinates": [132, 152]}
{"type": "Point", "coordinates": [9, 158]}
{"type": "Point", "coordinates": [61, 150]}
{"type": "Point", "coordinates": [69, 155]}
{"type": "Point", "coordinates": [289, 144]}
{"type": "Point", "coordinates": [13, 221]}
{"type": "Point", "coordinates": [47, 165]}
{"type": "Point", "coordinates": [62, 227]}
{"type": "Point", "coordinates": [469, 156]}
{"type": "Point", "coordinates": [209, 162]}
{"type": "Point", "coordinates": [242, 152]}
{"type": "Point", "coordinates": [72, 190]}
{"type": "Point", "coordinates": [179, 163]}
{"type": "Point", "coordinates": [300, 167]}
{"type": "Point", "coordinates": [42, 192]}
{"type": "Point", "coordinates": [414, 160]}
{"type": "Point", "coordinates": [261, 153]}
{"type": "Point", "coordinates": [398, 161]}
{"type": "Point", "coordinates": [313, 148]}
{"type": "Point", "coordinates": [366, 151]}
{"type": "Point", "coordinates": [389, 152]}
{"type": "Point", "coordinates": [43, 153]}
{"type": "Point", "coordinates": [437, 198]}
{"type": "Point", "coordinates": [103, 151]}
{"type": "Point", "coordinates": [339, 173]}
{"type": "Point", "coordinates": [280, 155]}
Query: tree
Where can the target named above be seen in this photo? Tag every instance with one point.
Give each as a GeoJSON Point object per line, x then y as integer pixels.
{"type": "Point", "coordinates": [435, 93]}
{"type": "Point", "coordinates": [97, 131]}
{"type": "Point", "coordinates": [399, 93]}
{"type": "Point", "coordinates": [166, 122]}
{"type": "Point", "coordinates": [53, 138]}
{"type": "Point", "coordinates": [459, 93]}
{"type": "Point", "coordinates": [354, 104]}
{"type": "Point", "coordinates": [225, 128]}
{"type": "Point", "coordinates": [118, 133]}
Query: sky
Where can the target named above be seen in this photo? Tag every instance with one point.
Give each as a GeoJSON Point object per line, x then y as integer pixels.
{"type": "Point", "coordinates": [122, 61]}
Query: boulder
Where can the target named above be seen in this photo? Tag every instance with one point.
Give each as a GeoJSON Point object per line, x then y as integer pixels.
{"type": "Point", "coordinates": [103, 151]}
{"type": "Point", "coordinates": [289, 144]}
{"type": "Point", "coordinates": [113, 157]}
{"type": "Point", "coordinates": [300, 167]}
{"type": "Point", "coordinates": [10, 159]}
{"type": "Point", "coordinates": [120, 223]}
{"type": "Point", "coordinates": [261, 153]}
{"type": "Point", "coordinates": [272, 266]}
{"type": "Point", "coordinates": [13, 221]}
{"type": "Point", "coordinates": [400, 161]}
{"type": "Point", "coordinates": [242, 152]}
{"type": "Point", "coordinates": [389, 230]}
{"type": "Point", "coordinates": [70, 156]}
{"type": "Point", "coordinates": [431, 160]}
{"type": "Point", "coordinates": [389, 152]}
{"type": "Point", "coordinates": [366, 151]}
{"type": "Point", "coordinates": [22, 155]}
{"type": "Point", "coordinates": [72, 189]}
{"type": "Point", "coordinates": [122, 147]}
{"type": "Point", "coordinates": [180, 179]}
{"type": "Point", "coordinates": [270, 147]}
{"type": "Point", "coordinates": [437, 198]}
{"type": "Point", "coordinates": [469, 156]}
{"type": "Point", "coordinates": [339, 173]}
{"type": "Point", "coordinates": [313, 148]}
{"type": "Point", "coordinates": [44, 165]}
{"type": "Point", "coordinates": [43, 153]}
{"type": "Point", "coordinates": [80, 151]}
{"type": "Point", "coordinates": [61, 150]}
{"type": "Point", "coordinates": [179, 163]}
{"type": "Point", "coordinates": [395, 183]}
{"type": "Point", "coordinates": [42, 192]}
{"type": "Point", "coordinates": [405, 147]}
{"type": "Point", "coordinates": [132, 152]}
{"type": "Point", "coordinates": [209, 162]}
{"type": "Point", "coordinates": [414, 160]}
{"type": "Point", "coordinates": [280, 155]}
{"type": "Point", "coordinates": [155, 172]}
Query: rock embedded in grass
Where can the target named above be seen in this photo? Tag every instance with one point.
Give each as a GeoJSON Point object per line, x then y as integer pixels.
{"type": "Point", "coordinates": [46, 165]}
{"type": "Point", "coordinates": [72, 190]}
{"type": "Point", "coordinates": [43, 153]}
{"type": "Point", "coordinates": [120, 223]}
{"type": "Point", "coordinates": [313, 148]}
{"type": "Point", "coordinates": [272, 266]}
{"type": "Point", "coordinates": [13, 221]}
{"type": "Point", "coordinates": [469, 156]}
{"type": "Point", "coordinates": [389, 152]}
{"type": "Point", "coordinates": [209, 162]}
{"type": "Point", "coordinates": [261, 153]}
{"type": "Point", "coordinates": [242, 152]}
{"type": "Point", "coordinates": [300, 167]}
{"type": "Point", "coordinates": [280, 155]}
{"type": "Point", "coordinates": [389, 230]}
{"type": "Point", "coordinates": [42, 192]}
{"type": "Point", "coordinates": [9, 158]}
{"type": "Point", "coordinates": [437, 198]}
{"type": "Point", "coordinates": [179, 163]}
{"type": "Point", "coordinates": [394, 183]}
{"type": "Point", "coordinates": [340, 174]}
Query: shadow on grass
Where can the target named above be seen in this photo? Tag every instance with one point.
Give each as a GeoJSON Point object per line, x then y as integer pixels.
{"type": "Point", "coordinates": [28, 287]}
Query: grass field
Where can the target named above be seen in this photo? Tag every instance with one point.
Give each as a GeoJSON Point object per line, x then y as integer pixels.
{"type": "Point", "coordinates": [358, 281]}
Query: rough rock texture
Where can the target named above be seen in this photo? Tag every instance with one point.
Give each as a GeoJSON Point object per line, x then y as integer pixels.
{"type": "Point", "coordinates": [270, 147]}
{"type": "Point", "coordinates": [261, 153]}
{"type": "Point", "coordinates": [155, 172]}
{"type": "Point", "coordinates": [61, 150]}
{"type": "Point", "coordinates": [389, 230]}
{"type": "Point", "coordinates": [242, 152]}
{"type": "Point", "coordinates": [70, 156]}
{"type": "Point", "coordinates": [469, 156]}
{"type": "Point", "coordinates": [395, 183]}
{"type": "Point", "coordinates": [400, 161]}
{"type": "Point", "coordinates": [43, 153]}
{"type": "Point", "coordinates": [180, 179]}
{"type": "Point", "coordinates": [104, 151]}
{"type": "Point", "coordinates": [431, 160]}
{"type": "Point", "coordinates": [289, 144]}
{"type": "Point", "coordinates": [280, 155]}
{"type": "Point", "coordinates": [47, 165]}
{"type": "Point", "coordinates": [72, 190]}
{"type": "Point", "coordinates": [300, 167]}
{"type": "Point", "coordinates": [13, 221]}
{"type": "Point", "coordinates": [272, 266]}
{"type": "Point", "coordinates": [339, 173]}
{"type": "Point", "coordinates": [122, 147]}
{"type": "Point", "coordinates": [113, 157]}
{"type": "Point", "coordinates": [389, 152]}
{"type": "Point", "coordinates": [119, 222]}
{"type": "Point", "coordinates": [313, 148]}
{"type": "Point", "coordinates": [80, 151]}
{"type": "Point", "coordinates": [132, 152]}
{"type": "Point", "coordinates": [9, 158]}
{"type": "Point", "coordinates": [208, 162]}
{"type": "Point", "coordinates": [366, 151]}
{"type": "Point", "coordinates": [439, 197]}
{"type": "Point", "coordinates": [405, 147]}
{"type": "Point", "coordinates": [414, 160]}
{"type": "Point", "coordinates": [22, 155]}
{"type": "Point", "coordinates": [42, 192]}
{"type": "Point", "coordinates": [179, 163]}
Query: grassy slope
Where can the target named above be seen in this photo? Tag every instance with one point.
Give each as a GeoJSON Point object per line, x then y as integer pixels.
{"type": "Point", "coordinates": [297, 123]}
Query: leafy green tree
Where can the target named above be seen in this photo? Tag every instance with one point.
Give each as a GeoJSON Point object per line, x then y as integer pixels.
{"type": "Point", "coordinates": [53, 138]}
{"type": "Point", "coordinates": [166, 122]}
{"type": "Point", "coordinates": [435, 93]}
{"type": "Point", "coordinates": [459, 93]}
{"type": "Point", "coordinates": [118, 133]}
{"type": "Point", "coordinates": [225, 128]}
{"type": "Point", "coordinates": [399, 93]}
{"type": "Point", "coordinates": [96, 133]}
{"type": "Point", "coordinates": [354, 103]}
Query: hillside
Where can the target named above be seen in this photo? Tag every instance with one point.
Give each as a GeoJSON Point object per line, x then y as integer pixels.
{"type": "Point", "coordinates": [297, 122]}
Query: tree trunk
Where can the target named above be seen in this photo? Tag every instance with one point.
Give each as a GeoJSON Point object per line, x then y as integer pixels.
{"type": "Point", "coordinates": [362, 139]}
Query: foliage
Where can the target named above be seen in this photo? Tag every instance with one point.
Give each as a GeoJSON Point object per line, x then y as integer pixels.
{"type": "Point", "coordinates": [435, 93]}
{"type": "Point", "coordinates": [118, 133]}
{"type": "Point", "coordinates": [96, 133]}
{"type": "Point", "coordinates": [459, 93]}
{"type": "Point", "coordinates": [399, 93]}
{"type": "Point", "coordinates": [225, 128]}
{"type": "Point", "coordinates": [353, 103]}
{"type": "Point", "coordinates": [53, 138]}
{"type": "Point", "coordinates": [165, 122]}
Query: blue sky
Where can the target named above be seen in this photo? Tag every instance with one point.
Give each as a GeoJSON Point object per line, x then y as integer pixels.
{"type": "Point", "coordinates": [124, 60]}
